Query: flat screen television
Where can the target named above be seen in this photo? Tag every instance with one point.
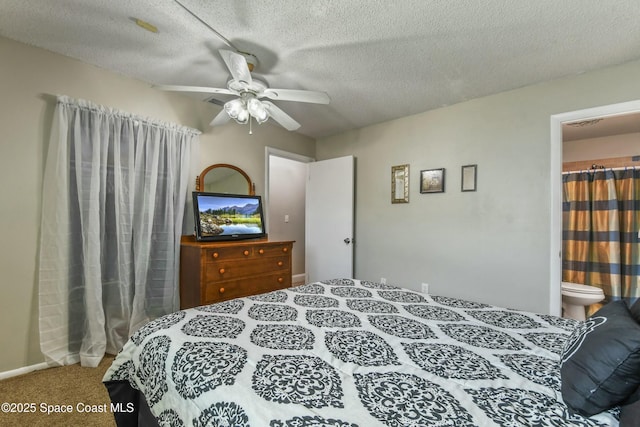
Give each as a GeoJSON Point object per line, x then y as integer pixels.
{"type": "Point", "coordinates": [221, 216]}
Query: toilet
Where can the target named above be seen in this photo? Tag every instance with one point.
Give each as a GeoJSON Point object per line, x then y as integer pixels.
{"type": "Point", "coordinates": [576, 296]}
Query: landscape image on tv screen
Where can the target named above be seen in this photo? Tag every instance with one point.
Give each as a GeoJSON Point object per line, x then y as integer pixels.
{"type": "Point", "coordinates": [220, 216]}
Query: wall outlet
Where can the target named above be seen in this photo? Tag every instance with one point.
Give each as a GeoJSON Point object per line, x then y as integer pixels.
{"type": "Point", "coordinates": [383, 280]}
{"type": "Point", "coordinates": [425, 288]}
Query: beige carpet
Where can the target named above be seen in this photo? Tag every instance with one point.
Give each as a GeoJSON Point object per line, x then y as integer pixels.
{"type": "Point", "coordinates": [73, 389]}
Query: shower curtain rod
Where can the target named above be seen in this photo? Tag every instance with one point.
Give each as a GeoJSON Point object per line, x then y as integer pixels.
{"type": "Point", "coordinates": [603, 169]}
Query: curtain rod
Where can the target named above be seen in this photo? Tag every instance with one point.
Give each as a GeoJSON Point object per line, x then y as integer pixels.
{"type": "Point", "coordinates": [603, 169]}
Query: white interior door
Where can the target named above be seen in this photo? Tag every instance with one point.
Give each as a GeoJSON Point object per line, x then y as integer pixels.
{"type": "Point", "coordinates": [329, 219]}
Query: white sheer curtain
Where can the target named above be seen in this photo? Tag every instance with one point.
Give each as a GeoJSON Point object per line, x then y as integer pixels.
{"type": "Point", "coordinates": [115, 188]}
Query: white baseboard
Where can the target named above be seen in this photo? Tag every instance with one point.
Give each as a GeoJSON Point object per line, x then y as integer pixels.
{"type": "Point", "coordinates": [299, 278]}
{"type": "Point", "coordinates": [24, 370]}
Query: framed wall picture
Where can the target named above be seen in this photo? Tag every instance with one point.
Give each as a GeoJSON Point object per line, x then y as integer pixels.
{"type": "Point", "coordinates": [432, 181]}
{"type": "Point", "coordinates": [400, 184]}
{"type": "Point", "coordinates": [469, 177]}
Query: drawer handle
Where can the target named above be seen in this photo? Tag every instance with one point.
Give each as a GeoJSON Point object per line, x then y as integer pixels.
{"type": "Point", "coordinates": [261, 251]}
{"type": "Point", "coordinates": [280, 263]}
{"type": "Point", "coordinates": [280, 280]}
{"type": "Point", "coordinates": [246, 253]}
{"type": "Point", "coordinates": [216, 255]}
{"type": "Point", "coordinates": [221, 271]}
{"type": "Point", "coordinates": [285, 249]}
{"type": "Point", "coordinates": [222, 290]}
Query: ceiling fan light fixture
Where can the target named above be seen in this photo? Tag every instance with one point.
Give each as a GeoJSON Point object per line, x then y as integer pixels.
{"type": "Point", "coordinates": [234, 108]}
{"type": "Point", "coordinates": [257, 110]}
{"type": "Point", "coordinates": [237, 110]}
{"type": "Point", "coordinates": [243, 117]}
{"type": "Point", "coordinates": [262, 118]}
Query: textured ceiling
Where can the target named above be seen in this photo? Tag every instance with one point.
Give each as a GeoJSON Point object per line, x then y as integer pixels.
{"type": "Point", "coordinates": [377, 60]}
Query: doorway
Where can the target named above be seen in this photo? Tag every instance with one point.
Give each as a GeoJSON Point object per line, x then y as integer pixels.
{"type": "Point", "coordinates": [285, 193]}
{"type": "Point", "coordinates": [555, 261]}
{"type": "Point", "coordinates": [312, 203]}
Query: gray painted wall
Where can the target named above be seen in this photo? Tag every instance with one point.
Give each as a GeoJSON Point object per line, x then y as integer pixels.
{"type": "Point", "coordinates": [492, 245]}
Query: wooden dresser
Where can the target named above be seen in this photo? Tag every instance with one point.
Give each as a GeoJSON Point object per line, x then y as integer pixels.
{"type": "Point", "coordinates": [216, 271]}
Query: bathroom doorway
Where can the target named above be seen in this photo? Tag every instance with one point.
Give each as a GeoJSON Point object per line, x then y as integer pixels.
{"type": "Point", "coordinates": [556, 160]}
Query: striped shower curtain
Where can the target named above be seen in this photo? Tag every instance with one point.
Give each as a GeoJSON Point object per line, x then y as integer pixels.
{"type": "Point", "coordinates": [601, 220]}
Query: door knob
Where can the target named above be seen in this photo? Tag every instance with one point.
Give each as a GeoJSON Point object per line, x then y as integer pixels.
{"type": "Point", "coordinates": [347, 240]}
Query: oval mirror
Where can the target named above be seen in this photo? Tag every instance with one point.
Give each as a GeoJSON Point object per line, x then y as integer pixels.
{"type": "Point", "coordinates": [224, 178]}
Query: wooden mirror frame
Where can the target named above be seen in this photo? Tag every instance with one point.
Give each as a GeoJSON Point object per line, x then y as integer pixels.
{"type": "Point", "coordinates": [200, 178]}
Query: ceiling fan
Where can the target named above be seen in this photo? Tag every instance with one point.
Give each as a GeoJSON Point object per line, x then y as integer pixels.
{"type": "Point", "coordinates": [252, 95]}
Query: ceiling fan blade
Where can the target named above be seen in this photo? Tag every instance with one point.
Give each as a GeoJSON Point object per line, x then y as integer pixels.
{"type": "Point", "coordinates": [220, 119]}
{"type": "Point", "coordinates": [237, 65]}
{"type": "Point", "coordinates": [285, 120]}
{"type": "Point", "coordinates": [296, 95]}
{"type": "Point", "coordinates": [196, 89]}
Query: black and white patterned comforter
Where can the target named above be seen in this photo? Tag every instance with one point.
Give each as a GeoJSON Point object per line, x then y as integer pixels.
{"type": "Point", "coordinates": [351, 353]}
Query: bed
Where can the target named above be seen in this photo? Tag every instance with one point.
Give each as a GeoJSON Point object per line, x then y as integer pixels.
{"type": "Point", "coordinates": [346, 353]}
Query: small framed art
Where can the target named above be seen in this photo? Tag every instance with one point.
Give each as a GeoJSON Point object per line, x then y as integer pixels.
{"type": "Point", "coordinates": [432, 181]}
{"type": "Point", "coordinates": [469, 177]}
{"type": "Point", "coordinates": [400, 184]}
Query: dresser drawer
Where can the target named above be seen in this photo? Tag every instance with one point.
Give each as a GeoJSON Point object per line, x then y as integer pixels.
{"type": "Point", "coordinates": [220, 291]}
{"type": "Point", "coordinates": [227, 270]}
{"type": "Point", "coordinates": [271, 250]}
{"type": "Point", "coordinates": [228, 253]}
